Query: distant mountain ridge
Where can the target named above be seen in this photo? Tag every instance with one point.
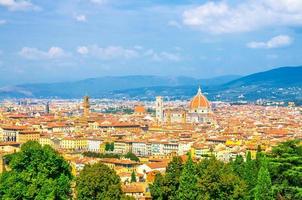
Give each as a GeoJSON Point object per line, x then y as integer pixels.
{"type": "Point", "coordinates": [280, 77]}
{"type": "Point", "coordinates": [281, 84]}
{"type": "Point", "coordinates": [99, 87]}
{"type": "Point", "coordinates": [284, 83]}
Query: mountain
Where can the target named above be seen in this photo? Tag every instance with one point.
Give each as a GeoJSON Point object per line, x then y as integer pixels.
{"type": "Point", "coordinates": [284, 83]}
{"type": "Point", "coordinates": [279, 84]}
{"type": "Point", "coordinates": [104, 86]}
{"type": "Point", "coordinates": [280, 77]}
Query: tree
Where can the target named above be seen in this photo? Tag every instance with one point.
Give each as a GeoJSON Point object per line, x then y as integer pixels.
{"type": "Point", "coordinates": [238, 165]}
{"type": "Point", "coordinates": [165, 187]}
{"type": "Point", "coordinates": [187, 181]}
{"type": "Point", "coordinates": [36, 173]}
{"type": "Point", "coordinates": [98, 182]}
{"type": "Point", "coordinates": [172, 177]}
{"type": "Point", "coordinates": [109, 146]}
{"type": "Point", "coordinates": [132, 156]}
{"type": "Point", "coordinates": [133, 176]}
{"type": "Point", "coordinates": [250, 173]}
{"type": "Point", "coordinates": [263, 190]}
{"type": "Point", "coordinates": [216, 180]}
{"type": "Point", "coordinates": [157, 188]}
{"type": "Point", "coordinates": [285, 163]}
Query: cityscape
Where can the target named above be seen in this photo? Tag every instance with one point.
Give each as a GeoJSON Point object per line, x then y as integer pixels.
{"type": "Point", "coordinates": [155, 120]}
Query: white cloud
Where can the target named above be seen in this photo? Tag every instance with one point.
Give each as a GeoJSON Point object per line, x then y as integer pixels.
{"type": "Point", "coordinates": [99, 2]}
{"type": "Point", "coordinates": [174, 24]}
{"type": "Point", "coordinates": [118, 52]}
{"type": "Point", "coordinates": [82, 50]}
{"type": "Point", "coordinates": [275, 42]}
{"type": "Point", "coordinates": [108, 53]}
{"type": "Point", "coordinates": [80, 18]}
{"type": "Point", "coordinates": [16, 5]}
{"type": "Point", "coordinates": [2, 21]}
{"type": "Point", "coordinates": [36, 54]}
{"type": "Point", "coordinates": [162, 56]}
{"type": "Point", "coordinates": [221, 17]}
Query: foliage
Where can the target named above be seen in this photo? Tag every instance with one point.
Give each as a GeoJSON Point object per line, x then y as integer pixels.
{"type": "Point", "coordinates": [217, 180]}
{"type": "Point", "coordinates": [187, 182]}
{"type": "Point", "coordinates": [36, 173]}
{"type": "Point", "coordinates": [118, 110]}
{"type": "Point", "coordinates": [285, 166]}
{"type": "Point", "coordinates": [100, 155]}
{"type": "Point", "coordinates": [109, 146]}
{"type": "Point", "coordinates": [263, 189]}
{"type": "Point", "coordinates": [157, 188]}
{"type": "Point", "coordinates": [132, 156]}
{"type": "Point", "coordinates": [98, 182]}
{"type": "Point", "coordinates": [172, 177]}
{"type": "Point", "coordinates": [166, 187]}
{"type": "Point", "coordinates": [133, 177]}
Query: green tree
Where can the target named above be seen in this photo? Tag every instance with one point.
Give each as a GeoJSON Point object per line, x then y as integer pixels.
{"type": "Point", "coordinates": [217, 180]}
{"type": "Point", "coordinates": [98, 182]}
{"type": "Point", "coordinates": [36, 173]}
{"type": "Point", "coordinates": [285, 166]}
{"type": "Point", "coordinates": [109, 146]}
{"type": "Point", "coordinates": [172, 177]}
{"type": "Point", "coordinates": [187, 181]}
{"type": "Point", "coordinates": [133, 176]}
{"type": "Point", "coordinates": [263, 189]}
{"type": "Point", "coordinates": [157, 188]}
{"type": "Point", "coordinates": [165, 187]}
{"type": "Point", "coordinates": [238, 165]}
{"type": "Point", "coordinates": [132, 156]}
{"type": "Point", "coordinates": [250, 173]}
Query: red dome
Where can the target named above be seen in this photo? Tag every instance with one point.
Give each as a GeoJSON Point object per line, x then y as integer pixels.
{"type": "Point", "coordinates": [199, 101]}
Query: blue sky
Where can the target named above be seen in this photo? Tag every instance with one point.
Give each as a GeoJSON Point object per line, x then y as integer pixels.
{"type": "Point", "coordinates": [49, 41]}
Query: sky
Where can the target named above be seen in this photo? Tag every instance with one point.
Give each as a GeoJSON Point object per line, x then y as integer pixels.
{"type": "Point", "coordinates": [65, 40]}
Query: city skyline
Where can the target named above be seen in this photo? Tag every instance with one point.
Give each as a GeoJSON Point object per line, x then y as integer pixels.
{"type": "Point", "coordinates": [71, 40]}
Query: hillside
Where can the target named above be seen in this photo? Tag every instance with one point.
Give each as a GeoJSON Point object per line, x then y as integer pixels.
{"type": "Point", "coordinates": [103, 86]}
{"type": "Point", "coordinates": [283, 83]}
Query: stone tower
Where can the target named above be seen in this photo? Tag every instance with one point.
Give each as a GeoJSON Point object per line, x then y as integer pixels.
{"type": "Point", "coordinates": [159, 108]}
{"type": "Point", "coordinates": [47, 108]}
{"type": "Point", "coordinates": [86, 106]}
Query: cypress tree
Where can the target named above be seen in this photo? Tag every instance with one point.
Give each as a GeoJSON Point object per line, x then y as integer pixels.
{"type": "Point", "coordinates": [133, 177]}
{"type": "Point", "coordinates": [263, 190]}
{"type": "Point", "coordinates": [172, 177]}
{"type": "Point", "coordinates": [188, 181]}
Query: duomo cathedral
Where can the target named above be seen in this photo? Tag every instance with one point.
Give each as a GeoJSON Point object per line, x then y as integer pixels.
{"type": "Point", "coordinates": [198, 111]}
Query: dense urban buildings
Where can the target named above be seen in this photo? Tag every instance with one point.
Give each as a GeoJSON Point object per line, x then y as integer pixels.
{"type": "Point", "coordinates": [102, 130]}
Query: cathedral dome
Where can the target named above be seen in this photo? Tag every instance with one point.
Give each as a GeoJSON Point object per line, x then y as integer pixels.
{"type": "Point", "coordinates": [199, 101]}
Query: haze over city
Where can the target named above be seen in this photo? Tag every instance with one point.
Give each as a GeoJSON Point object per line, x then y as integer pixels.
{"type": "Point", "coordinates": [51, 41]}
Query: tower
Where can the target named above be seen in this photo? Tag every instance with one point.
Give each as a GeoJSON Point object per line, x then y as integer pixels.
{"type": "Point", "coordinates": [86, 106]}
{"type": "Point", "coordinates": [47, 109]}
{"type": "Point", "coordinates": [159, 108]}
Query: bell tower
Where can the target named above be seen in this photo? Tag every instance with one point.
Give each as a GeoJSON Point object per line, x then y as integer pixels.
{"type": "Point", "coordinates": [159, 108]}
{"type": "Point", "coordinates": [86, 106]}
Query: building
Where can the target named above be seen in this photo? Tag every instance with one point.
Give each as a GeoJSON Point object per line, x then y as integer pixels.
{"type": "Point", "coordinates": [139, 110]}
{"type": "Point", "coordinates": [94, 145]}
{"type": "Point", "coordinates": [10, 133]}
{"type": "Point", "coordinates": [47, 108]}
{"type": "Point", "coordinates": [28, 135]}
{"type": "Point", "coordinates": [86, 106]}
{"type": "Point", "coordinates": [140, 148]}
{"type": "Point", "coordinates": [198, 111]}
{"type": "Point", "coordinates": [159, 109]}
